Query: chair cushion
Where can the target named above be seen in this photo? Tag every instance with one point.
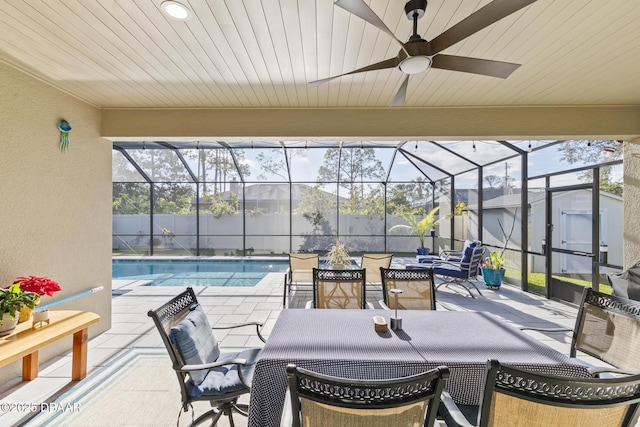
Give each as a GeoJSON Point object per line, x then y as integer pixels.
{"type": "Point", "coordinates": [468, 252]}
{"type": "Point", "coordinates": [450, 270]}
{"type": "Point", "coordinates": [195, 342]}
{"type": "Point", "coordinates": [225, 379]}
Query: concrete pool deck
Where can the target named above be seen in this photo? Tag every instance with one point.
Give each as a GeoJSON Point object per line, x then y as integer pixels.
{"type": "Point", "coordinates": [132, 328]}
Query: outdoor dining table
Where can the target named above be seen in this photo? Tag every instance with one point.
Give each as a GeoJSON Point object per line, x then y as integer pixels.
{"type": "Point", "coordinates": [344, 343]}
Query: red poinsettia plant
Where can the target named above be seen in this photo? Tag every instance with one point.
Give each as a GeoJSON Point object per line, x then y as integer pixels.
{"type": "Point", "coordinates": [38, 285]}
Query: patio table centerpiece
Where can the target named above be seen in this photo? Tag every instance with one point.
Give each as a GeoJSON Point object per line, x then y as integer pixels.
{"type": "Point", "coordinates": [338, 256]}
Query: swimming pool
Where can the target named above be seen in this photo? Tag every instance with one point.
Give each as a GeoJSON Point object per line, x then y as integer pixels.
{"type": "Point", "coordinates": [191, 272]}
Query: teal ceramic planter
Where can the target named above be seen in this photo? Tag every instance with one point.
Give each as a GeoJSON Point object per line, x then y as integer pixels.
{"type": "Point", "coordinates": [493, 278]}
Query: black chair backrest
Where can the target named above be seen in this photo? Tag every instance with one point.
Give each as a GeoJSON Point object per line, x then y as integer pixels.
{"type": "Point", "coordinates": [339, 288]}
{"type": "Point", "coordinates": [608, 328]}
{"type": "Point", "coordinates": [418, 291]}
{"type": "Point", "coordinates": [517, 397]}
{"type": "Point", "coordinates": [333, 401]}
{"type": "Point", "coordinates": [167, 316]}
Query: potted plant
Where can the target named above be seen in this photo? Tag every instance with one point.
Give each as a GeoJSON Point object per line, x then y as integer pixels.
{"type": "Point", "coordinates": [418, 227]}
{"type": "Point", "coordinates": [12, 299]}
{"type": "Point", "coordinates": [493, 270]}
{"type": "Point", "coordinates": [338, 256]}
{"type": "Point", "coordinates": [493, 266]}
{"type": "Point", "coordinates": [38, 285]}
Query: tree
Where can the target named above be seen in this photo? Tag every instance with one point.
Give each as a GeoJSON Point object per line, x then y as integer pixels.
{"type": "Point", "coordinates": [351, 167]}
{"type": "Point", "coordinates": [272, 161]}
{"type": "Point", "coordinates": [492, 180]}
{"type": "Point", "coordinates": [592, 153]}
{"type": "Point", "coordinates": [218, 168]}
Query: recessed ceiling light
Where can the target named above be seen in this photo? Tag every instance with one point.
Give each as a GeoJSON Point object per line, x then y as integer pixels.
{"type": "Point", "coordinates": [175, 10]}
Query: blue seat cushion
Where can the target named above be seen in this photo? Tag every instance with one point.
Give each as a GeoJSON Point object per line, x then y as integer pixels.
{"type": "Point", "coordinates": [450, 270]}
{"type": "Point", "coordinates": [195, 342]}
{"type": "Point", "coordinates": [225, 379]}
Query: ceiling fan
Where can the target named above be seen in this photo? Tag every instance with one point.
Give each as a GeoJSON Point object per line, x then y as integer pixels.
{"type": "Point", "coordinates": [418, 54]}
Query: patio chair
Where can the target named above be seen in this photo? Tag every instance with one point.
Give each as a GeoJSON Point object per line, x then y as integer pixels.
{"type": "Point", "coordinates": [515, 397]}
{"type": "Point", "coordinates": [451, 255]}
{"type": "Point", "coordinates": [322, 400]}
{"type": "Point", "coordinates": [372, 264]}
{"type": "Point", "coordinates": [460, 273]}
{"type": "Point", "coordinates": [204, 372]}
{"type": "Point", "coordinates": [338, 289]}
{"type": "Point", "coordinates": [299, 273]}
{"type": "Point", "coordinates": [607, 328]}
{"type": "Point", "coordinates": [418, 292]}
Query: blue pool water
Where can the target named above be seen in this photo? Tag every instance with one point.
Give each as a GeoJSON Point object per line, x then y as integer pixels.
{"type": "Point", "coordinates": [196, 273]}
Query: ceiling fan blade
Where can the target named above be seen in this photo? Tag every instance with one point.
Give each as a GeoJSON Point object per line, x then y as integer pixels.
{"type": "Point", "coordinates": [363, 11]}
{"type": "Point", "coordinates": [387, 63]}
{"type": "Point", "coordinates": [401, 95]}
{"type": "Point", "coordinates": [482, 18]}
{"type": "Point", "coordinates": [466, 64]}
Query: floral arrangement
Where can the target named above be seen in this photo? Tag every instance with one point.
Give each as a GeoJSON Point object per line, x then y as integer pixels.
{"type": "Point", "coordinates": [39, 285]}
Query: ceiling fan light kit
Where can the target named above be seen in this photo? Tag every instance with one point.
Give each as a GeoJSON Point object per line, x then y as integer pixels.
{"type": "Point", "coordinates": [415, 64]}
{"type": "Point", "coordinates": [417, 54]}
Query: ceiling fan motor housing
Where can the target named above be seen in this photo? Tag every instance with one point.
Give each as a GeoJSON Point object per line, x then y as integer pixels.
{"type": "Point", "coordinates": [415, 7]}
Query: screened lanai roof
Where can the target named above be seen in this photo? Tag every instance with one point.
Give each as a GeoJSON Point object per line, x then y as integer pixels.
{"type": "Point", "coordinates": [301, 160]}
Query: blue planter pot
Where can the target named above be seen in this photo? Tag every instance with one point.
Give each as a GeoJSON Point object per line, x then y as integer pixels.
{"type": "Point", "coordinates": [423, 251]}
{"type": "Point", "coordinates": [493, 278]}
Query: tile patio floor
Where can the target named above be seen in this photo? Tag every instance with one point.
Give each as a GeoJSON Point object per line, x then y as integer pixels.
{"type": "Point", "coordinates": [131, 327]}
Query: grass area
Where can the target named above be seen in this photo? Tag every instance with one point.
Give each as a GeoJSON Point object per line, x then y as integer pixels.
{"type": "Point", "coordinates": [537, 281]}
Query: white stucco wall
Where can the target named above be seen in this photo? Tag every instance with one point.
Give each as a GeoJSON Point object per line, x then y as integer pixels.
{"type": "Point", "coordinates": [55, 218]}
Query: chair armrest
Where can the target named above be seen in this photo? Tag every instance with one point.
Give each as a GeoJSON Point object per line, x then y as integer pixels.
{"type": "Point", "coordinates": [450, 412]}
{"type": "Point", "coordinates": [383, 305]}
{"type": "Point", "coordinates": [531, 328]}
{"type": "Point", "coordinates": [449, 253]}
{"type": "Point", "coordinates": [596, 371]}
{"type": "Point", "coordinates": [201, 366]}
{"type": "Point", "coordinates": [258, 326]}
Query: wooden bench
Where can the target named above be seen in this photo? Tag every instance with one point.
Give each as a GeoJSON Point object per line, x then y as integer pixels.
{"type": "Point", "coordinates": [25, 341]}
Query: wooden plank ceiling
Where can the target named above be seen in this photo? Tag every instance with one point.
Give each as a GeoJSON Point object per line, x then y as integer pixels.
{"type": "Point", "coordinates": [263, 53]}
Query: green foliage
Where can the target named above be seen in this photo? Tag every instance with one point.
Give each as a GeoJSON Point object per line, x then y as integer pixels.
{"type": "Point", "coordinates": [315, 202]}
{"type": "Point", "coordinates": [221, 207]}
{"type": "Point", "coordinates": [12, 299]}
{"type": "Point", "coordinates": [494, 261]}
{"type": "Point", "coordinates": [418, 227]}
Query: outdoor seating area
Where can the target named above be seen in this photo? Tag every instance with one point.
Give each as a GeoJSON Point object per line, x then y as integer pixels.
{"type": "Point", "coordinates": [334, 338]}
